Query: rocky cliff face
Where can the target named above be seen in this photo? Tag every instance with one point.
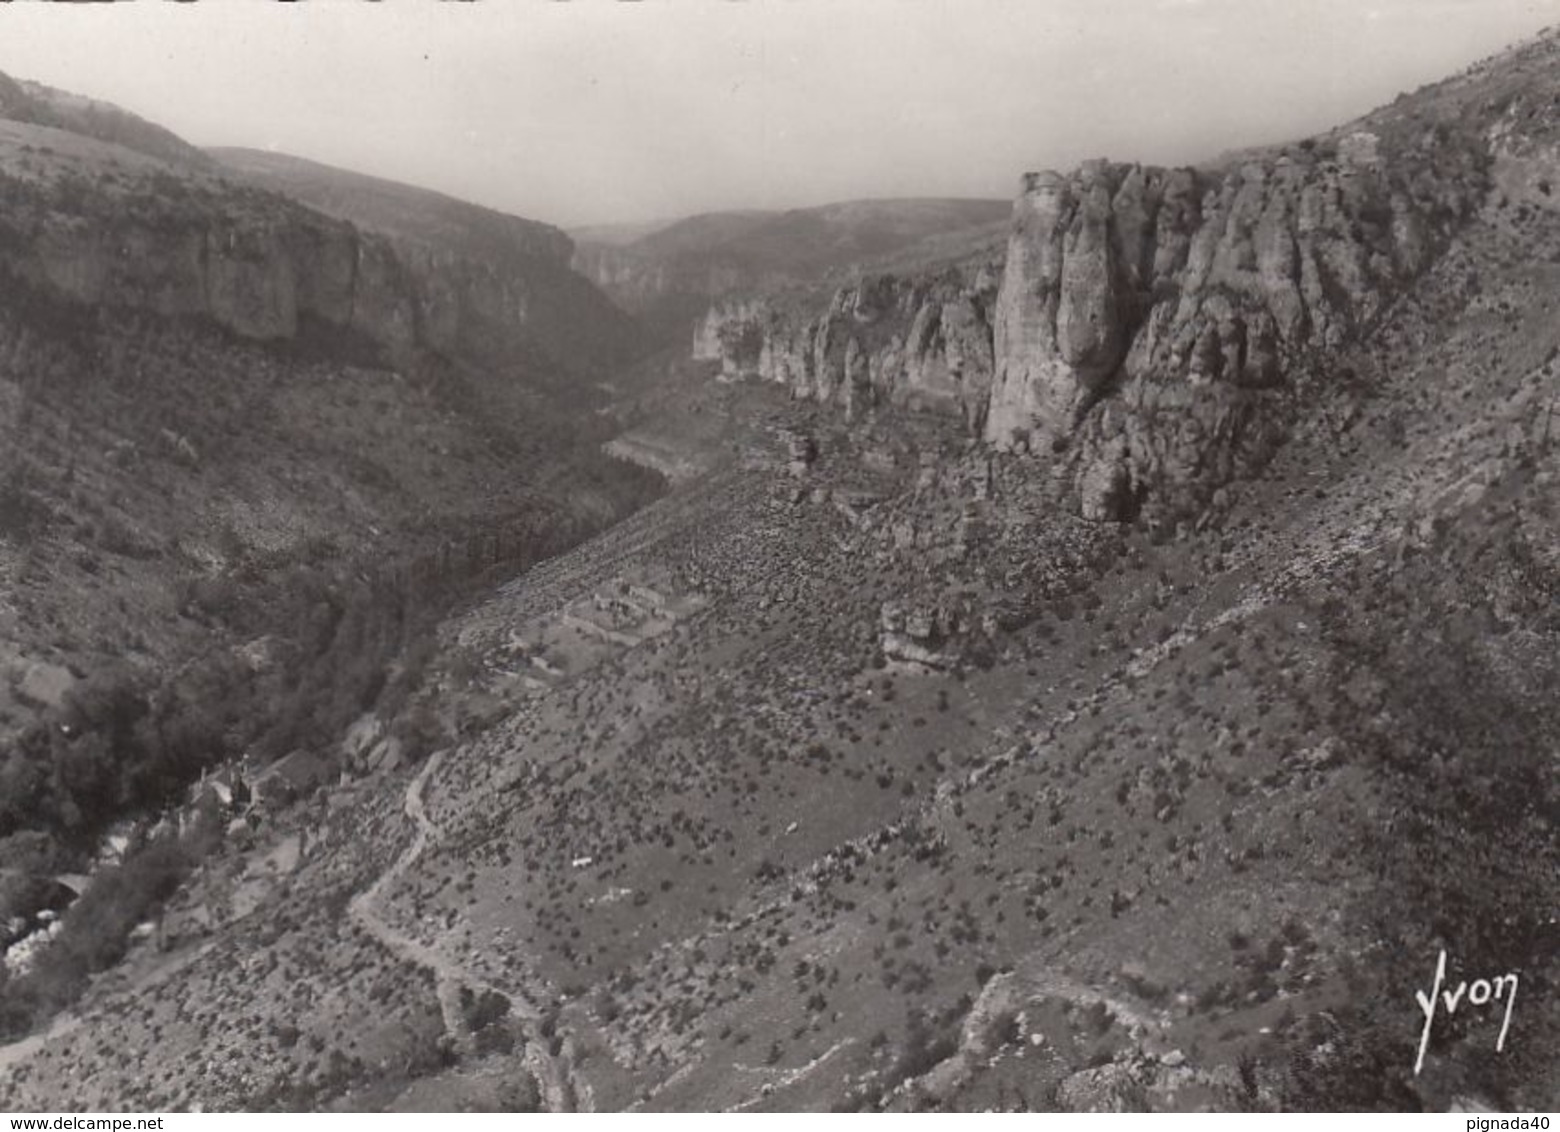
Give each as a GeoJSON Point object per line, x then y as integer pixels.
{"type": "Point", "coordinates": [97, 223]}
{"type": "Point", "coordinates": [1151, 326]}
{"type": "Point", "coordinates": [257, 272]}
{"type": "Point", "coordinates": [921, 342]}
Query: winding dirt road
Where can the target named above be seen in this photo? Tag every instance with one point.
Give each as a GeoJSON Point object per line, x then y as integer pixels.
{"type": "Point", "coordinates": [559, 1091]}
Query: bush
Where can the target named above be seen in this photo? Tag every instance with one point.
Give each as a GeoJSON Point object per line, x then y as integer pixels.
{"type": "Point", "coordinates": [420, 732]}
{"type": "Point", "coordinates": [95, 932]}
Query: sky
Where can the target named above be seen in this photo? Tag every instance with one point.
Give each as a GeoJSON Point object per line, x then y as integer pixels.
{"type": "Point", "coordinates": [594, 111]}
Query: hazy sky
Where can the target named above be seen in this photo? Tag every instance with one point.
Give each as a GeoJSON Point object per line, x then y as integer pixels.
{"type": "Point", "coordinates": [594, 110]}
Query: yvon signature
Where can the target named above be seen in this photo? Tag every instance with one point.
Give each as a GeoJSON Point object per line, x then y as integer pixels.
{"type": "Point", "coordinates": [1480, 992]}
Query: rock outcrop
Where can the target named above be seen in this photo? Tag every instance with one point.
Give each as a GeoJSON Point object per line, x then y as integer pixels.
{"type": "Point", "coordinates": [1152, 325]}
{"type": "Point", "coordinates": [666, 293]}
{"type": "Point", "coordinates": [916, 637]}
{"type": "Point", "coordinates": [921, 342]}
{"type": "Point", "coordinates": [1154, 322]}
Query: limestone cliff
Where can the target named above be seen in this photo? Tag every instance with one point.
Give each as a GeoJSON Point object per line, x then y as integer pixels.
{"type": "Point", "coordinates": [483, 278]}
{"type": "Point", "coordinates": [922, 342]}
{"type": "Point", "coordinates": [94, 222]}
{"type": "Point", "coordinates": [40, 105]}
{"type": "Point", "coordinates": [666, 291]}
{"type": "Point", "coordinates": [1151, 325]}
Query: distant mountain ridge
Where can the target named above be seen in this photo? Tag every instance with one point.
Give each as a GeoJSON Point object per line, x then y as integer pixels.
{"type": "Point", "coordinates": [669, 276]}
{"type": "Point", "coordinates": [396, 209]}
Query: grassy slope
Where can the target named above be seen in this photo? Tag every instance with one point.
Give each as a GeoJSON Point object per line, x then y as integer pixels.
{"type": "Point", "coordinates": [1207, 798]}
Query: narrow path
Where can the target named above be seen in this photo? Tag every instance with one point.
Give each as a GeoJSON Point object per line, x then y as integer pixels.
{"type": "Point", "coordinates": [784, 1078]}
{"type": "Point", "coordinates": [559, 1092]}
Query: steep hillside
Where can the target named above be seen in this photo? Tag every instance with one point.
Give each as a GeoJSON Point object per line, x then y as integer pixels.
{"type": "Point", "coordinates": [670, 276]}
{"type": "Point", "coordinates": [921, 339]}
{"type": "Point", "coordinates": [248, 452]}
